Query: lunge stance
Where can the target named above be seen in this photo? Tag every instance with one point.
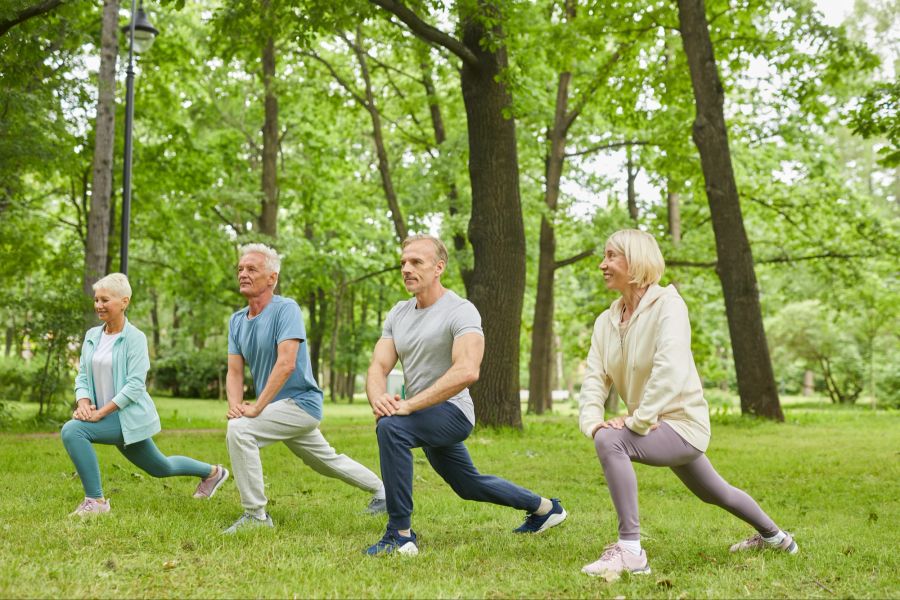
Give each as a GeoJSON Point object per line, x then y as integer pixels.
{"type": "Point", "coordinates": [642, 345]}
{"type": "Point", "coordinates": [437, 337]}
{"type": "Point", "coordinates": [113, 406]}
{"type": "Point", "coordinates": [270, 336]}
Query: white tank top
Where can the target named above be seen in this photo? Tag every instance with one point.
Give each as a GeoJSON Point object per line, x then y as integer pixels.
{"type": "Point", "coordinates": [102, 369]}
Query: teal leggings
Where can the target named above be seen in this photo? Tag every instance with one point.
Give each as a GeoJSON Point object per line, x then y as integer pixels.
{"type": "Point", "coordinates": [77, 437]}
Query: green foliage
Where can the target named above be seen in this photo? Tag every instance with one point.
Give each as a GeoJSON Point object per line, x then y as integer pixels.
{"type": "Point", "coordinates": [877, 116]}
{"type": "Point", "coordinates": [193, 373]}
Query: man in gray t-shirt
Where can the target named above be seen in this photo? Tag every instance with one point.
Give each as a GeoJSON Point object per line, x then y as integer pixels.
{"type": "Point", "coordinates": [437, 337]}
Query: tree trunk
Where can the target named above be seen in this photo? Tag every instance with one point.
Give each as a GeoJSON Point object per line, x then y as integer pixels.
{"type": "Point", "coordinates": [631, 173]}
{"type": "Point", "coordinates": [333, 370]}
{"type": "Point", "coordinates": [95, 257]}
{"type": "Point", "coordinates": [674, 214]}
{"type": "Point", "coordinates": [154, 320]}
{"type": "Point", "coordinates": [384, 165]}
{"type": "Point", "coordinates": [268, 218]}
{"type": "Point", "coordinates": [540, 365]}
{"type": "Point", "coordinates": [496, 228]}
{"type": "Point", "coordinates": [440, 136]}
{"type": "Point", "coordinates": [756, 381]}
{"type": "Point", "coordinates": [809, 383]}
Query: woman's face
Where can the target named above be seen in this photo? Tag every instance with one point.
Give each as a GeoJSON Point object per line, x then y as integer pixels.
{"type": "Point", "coordinates": [615, 269]}
{"type": "Point", "coordinates": [108, 306]}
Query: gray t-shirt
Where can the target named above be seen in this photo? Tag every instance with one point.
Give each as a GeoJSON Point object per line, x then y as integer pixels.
{"type": "Point", "coordinates": [424, 342]}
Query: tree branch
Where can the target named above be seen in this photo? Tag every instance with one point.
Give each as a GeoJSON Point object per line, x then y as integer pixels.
{"type": "Point", "coordinates": [427, 32]}
{"type": "Point", "coordinates": [771, 260]}
{"type": "Point", "coordinates": [340, 80]}
{"type": "Point", "coordinates": [608, 146]}
{"type": "Point", "coordinates": [27, 13]}
{"type": "Point", "coordinates": [573, 259]}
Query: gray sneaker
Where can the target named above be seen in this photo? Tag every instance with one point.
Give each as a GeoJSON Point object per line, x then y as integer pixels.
{"type": "Point", "coordinates": [756, 542]}
{"type": "Point", "coordinates": [248, 521]}
{"type": "Point", "coordinates": [377, 506]}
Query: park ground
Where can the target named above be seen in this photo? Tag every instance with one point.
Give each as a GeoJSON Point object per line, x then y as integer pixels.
{"type": "Point", "coordinates": [829, 475]}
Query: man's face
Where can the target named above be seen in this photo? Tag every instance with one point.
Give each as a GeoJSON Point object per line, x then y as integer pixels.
{"type": "Point", "coordinates": [420, 266]}
{"type": "Point", "coordinates": [254, 279]}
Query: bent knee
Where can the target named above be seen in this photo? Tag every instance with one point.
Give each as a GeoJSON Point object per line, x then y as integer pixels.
{"type": "Point", "coordinates": [387, 428]}
{"type": "Point", "coordinates": [72, 430]}
{"type": "Point", "coordinates": [236, 429]}
{"type": "Point", "coordinates": [606, 442]}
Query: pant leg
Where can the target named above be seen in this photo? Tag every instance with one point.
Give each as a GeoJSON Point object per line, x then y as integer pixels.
{"type": "Point", "coordinates": [311, 447]}
{"type": "Point", "coordinates": [77, 437]}
{"type": "Point", "coordinates": [245, 436]}
{"type": "Point", "coordinates": [146, 456]}
{"type": "Point", "coordinates": [397, 436]}
{"type": "Point", "coordinates": [702, 479]}
{"type": "Point", "coordinates": [454, 464]}
{"type": "Point", "coordinates": [617, 448]}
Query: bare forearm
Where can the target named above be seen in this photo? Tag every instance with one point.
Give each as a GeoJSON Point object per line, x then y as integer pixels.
{"type": "Point", "coordinates": [376, 383]}
{"type": "Point", "coordinates": [455, 380]}
{"type": "Point", "coordinates": [234, 389]}
{"type": "Point", "coordinates": [276, 381]}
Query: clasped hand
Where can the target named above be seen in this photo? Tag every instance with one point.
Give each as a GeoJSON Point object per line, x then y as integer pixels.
{"type": "Point", "coordinates": [245, 409]}
{"type": "Point", "coordinates": [387, 406]}
{"type": "Point", "coordinates": [86, 412]}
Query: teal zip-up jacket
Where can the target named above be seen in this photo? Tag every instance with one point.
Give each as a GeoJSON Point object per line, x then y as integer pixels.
{"type": "Point", "coordinates": [130, 363]}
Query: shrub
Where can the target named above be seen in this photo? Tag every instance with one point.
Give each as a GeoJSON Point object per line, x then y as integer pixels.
{"type": "Point", "coordinates": [191, 373]}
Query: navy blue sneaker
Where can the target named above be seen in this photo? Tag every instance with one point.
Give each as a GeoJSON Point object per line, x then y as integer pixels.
{"type": "Point", "coordinates": [394, 543]}
{"type": "Point", "coordinates": [536, 524]}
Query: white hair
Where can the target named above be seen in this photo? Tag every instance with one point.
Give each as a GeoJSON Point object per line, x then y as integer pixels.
{"type": "Point", "coordinates": [115, 283]}
{"type": "Point", "coordinates": [273, 261]}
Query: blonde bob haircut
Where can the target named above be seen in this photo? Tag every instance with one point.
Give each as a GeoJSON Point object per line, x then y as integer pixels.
{"type": "Point", "coordinates": [645, 261]}
{"type": "Point", "coordinates": [116, 284]}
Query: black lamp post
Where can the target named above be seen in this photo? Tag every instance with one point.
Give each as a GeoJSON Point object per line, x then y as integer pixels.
{"type": "Point", "coordinates": [140, 37]}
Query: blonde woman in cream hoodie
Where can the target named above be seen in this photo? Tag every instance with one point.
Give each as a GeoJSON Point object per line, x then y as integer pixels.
{"type": "Point", "coordinates": [642, 345]}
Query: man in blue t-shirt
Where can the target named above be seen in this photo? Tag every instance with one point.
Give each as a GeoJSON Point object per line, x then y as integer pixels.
{"type": "Point", "coordinates": [269, 336]}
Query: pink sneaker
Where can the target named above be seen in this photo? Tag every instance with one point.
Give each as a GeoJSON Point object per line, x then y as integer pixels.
{"type": "Point", "coordinates": [207, 487]}
{"type": "Point", "coordinates": [616, 560]}
{"type": "Point", "coordinates": [756, 542]}
{"type": "Point", "coordinates": [90, 507]}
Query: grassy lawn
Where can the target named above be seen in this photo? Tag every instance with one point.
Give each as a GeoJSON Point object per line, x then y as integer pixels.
{"type": "Point", "coordinates": [828, 475]}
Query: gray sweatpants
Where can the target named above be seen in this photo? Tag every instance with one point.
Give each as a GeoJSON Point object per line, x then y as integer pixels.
{"type": "Point", "coordinates": [663, 447]}
{"type": "Point", "coordinates": [284, 421]}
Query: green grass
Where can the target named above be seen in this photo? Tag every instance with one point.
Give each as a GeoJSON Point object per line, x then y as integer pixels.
{"type": "Point", "coordinates": [830, 476]}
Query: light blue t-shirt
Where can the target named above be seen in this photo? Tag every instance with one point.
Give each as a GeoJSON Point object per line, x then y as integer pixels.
{"type": "Point", "coordinates": [257, 339]}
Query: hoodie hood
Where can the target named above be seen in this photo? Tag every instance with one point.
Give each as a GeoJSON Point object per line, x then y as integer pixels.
{"type": "Point", "coordinates": [653, 294]}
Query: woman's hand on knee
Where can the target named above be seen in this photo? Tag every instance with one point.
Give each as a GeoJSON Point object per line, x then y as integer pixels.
{"type": "Point", "coordinates": [615, 423]}
{"type": "Point", "coordinates": [83, 410]}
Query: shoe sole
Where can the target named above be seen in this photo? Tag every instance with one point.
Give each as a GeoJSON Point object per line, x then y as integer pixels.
{"type": "Point", "coordinates": [644, 571]}
{"type": "Point", "coordinates": [553, 521]}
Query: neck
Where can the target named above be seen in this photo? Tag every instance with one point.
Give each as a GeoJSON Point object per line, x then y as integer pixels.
{"type": "Point", "coordinates": [115, 326]}
{"type": "Point", "coordinates": [430, 296]}
{"type": "Point", "coordinates": [258, 303]}
{"type": "Point", "coordinates": [631, 296]}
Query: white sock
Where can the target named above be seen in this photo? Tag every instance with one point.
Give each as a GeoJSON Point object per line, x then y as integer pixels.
{"type": "Point", "coordinates": [260, 514]}
{"type": "Point", "coordinates": [775, 539]}
{"type": "Point", "coordinates": [545, 507]}
{"type": "Point", "coordinates": [633, 546]}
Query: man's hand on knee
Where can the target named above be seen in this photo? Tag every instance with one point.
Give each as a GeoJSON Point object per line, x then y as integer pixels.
{"type": "Point", "coordinates": [385, 405]}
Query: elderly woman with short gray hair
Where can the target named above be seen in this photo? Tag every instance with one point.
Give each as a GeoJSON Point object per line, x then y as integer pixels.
{"type": "Point", "coordinates": [114, 408]}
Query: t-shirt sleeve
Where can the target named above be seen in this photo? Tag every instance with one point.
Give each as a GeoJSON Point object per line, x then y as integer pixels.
{"type": "Point", "coordinates": [233, 346]}
{"type": "Point", "coordinates": [465, 319]}
{"type": "Point", "coordinates": [387, 331]}
{"type": "Point", "coordinates": [289, 325]}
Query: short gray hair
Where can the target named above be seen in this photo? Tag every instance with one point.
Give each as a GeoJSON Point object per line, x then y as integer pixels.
{"type": "Point", "coordinates": [273, 261]}
{"type": "Point", "coordinates": [440, 250]}
{"type": "Point", "coordinates": [115, 283]}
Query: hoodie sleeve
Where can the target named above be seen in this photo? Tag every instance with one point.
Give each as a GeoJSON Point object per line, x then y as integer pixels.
{"type": "Point", "coordinates": [596, 383]}
{"type": "Point", "coordinates": [82, 385]}
{"type": "Point", "coordinates": [672, 365]}
{"type": "Point", "coordinates": [137, 363]}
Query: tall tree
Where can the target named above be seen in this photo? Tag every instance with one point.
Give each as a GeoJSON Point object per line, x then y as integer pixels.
{"type": "Point", "coordinates": [756, 381]}
{"type": "Point", "coordinates": [99, 220]}
{"type": "Point", "coordinates": [496, 229]}
{"type": "Point", "coordinates": [268, 216]}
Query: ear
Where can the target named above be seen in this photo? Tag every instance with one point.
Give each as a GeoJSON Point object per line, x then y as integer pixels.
{"type": "Point", "coordinates": [440, 267]}
{"type": "Point", "coordinates": [273, 279]}
{"type": "Point", "coordinates": [125, 302]}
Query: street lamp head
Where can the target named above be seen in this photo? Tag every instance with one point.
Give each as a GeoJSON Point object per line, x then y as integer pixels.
{"type": "Point", "coordinates": [144, 32]}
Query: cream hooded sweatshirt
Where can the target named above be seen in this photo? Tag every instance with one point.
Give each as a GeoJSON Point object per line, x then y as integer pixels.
{"type": "Point", "coordinates": [651, 364]}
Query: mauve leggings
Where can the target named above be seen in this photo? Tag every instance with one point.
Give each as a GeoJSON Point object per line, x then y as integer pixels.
{"type": "Point", "coordinates": [663, 447]}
